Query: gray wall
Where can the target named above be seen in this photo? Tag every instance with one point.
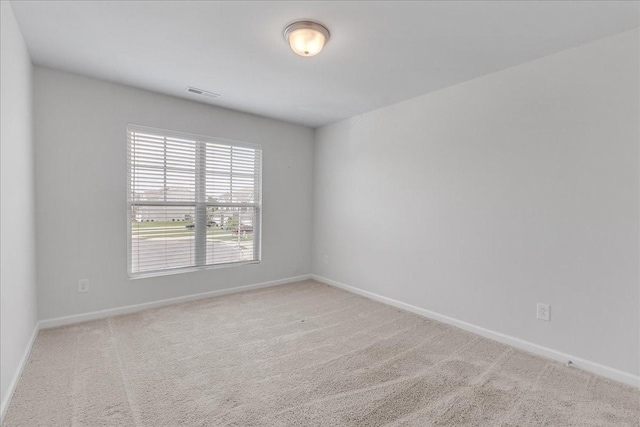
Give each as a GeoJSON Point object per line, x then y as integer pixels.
{"type": "Point", "coordinates": [81, 165]}
{"type": "Point", "coordinates": [18, 314]}
{"type": "Point", "coordinates": [480, 200]}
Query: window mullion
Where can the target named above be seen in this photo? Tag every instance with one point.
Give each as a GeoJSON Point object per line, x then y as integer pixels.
{"type": "Point", "coordinates": [257, 198]}
{"type": "Point", "coordinates": [164, 157]}
{"type": "Point", "coordinates": [201, 204]}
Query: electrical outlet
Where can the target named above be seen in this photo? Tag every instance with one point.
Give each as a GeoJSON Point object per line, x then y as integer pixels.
{"type": "Point", "coordinates": [543, 312]}
{"type": "Point", "coordinates": [83, 285]}
{"type": "Point", "coordinates": [326, 259]}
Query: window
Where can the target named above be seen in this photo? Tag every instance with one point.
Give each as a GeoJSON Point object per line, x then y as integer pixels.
{"type": "Point", "coordinates": [193, 201]}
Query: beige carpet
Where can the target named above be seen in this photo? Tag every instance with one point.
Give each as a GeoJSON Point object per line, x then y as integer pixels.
{"type": "Point", "coordinates": [297, 355]}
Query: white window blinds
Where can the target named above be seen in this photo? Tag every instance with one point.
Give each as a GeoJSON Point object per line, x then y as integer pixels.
{"type": "Point", "coordinates": [193, 201]}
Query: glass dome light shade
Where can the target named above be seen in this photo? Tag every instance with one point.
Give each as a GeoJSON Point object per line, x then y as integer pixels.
{"type": "Point", "coordinates": [306, 38]}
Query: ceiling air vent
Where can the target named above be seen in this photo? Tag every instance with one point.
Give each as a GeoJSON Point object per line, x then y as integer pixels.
{"type": "Point", "coordinates": [202, 92]}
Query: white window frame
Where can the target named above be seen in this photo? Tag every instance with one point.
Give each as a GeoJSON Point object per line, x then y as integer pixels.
{"type": "Point", "coordinates": [200, 204]}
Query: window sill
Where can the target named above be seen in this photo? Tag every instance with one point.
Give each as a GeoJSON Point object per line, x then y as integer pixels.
{"type": "Point", "coordinates": [146, 275]}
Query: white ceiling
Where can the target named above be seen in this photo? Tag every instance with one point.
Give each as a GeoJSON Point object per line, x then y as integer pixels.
{"type": "Point", "coordinates": [380, 53]}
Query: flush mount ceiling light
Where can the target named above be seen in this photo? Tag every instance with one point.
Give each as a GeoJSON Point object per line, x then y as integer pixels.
{"type": "Point", "coordinates": [306, 38]}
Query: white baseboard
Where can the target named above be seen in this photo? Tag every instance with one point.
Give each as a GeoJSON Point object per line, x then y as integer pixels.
{"type": "Point", "coordinates": [595, 368]}
{"type": "Point", "coordinates": [18, 373]}
{"type": "Point", "coordinates": [94, 315]}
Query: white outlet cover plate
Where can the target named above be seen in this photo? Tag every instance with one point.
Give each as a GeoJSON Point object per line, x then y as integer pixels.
{"type": "Point", "coordinates": [543, 312]}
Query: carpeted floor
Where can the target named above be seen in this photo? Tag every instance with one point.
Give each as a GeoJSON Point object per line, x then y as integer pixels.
{"type": "Point", "coordinates": [297, 355]}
